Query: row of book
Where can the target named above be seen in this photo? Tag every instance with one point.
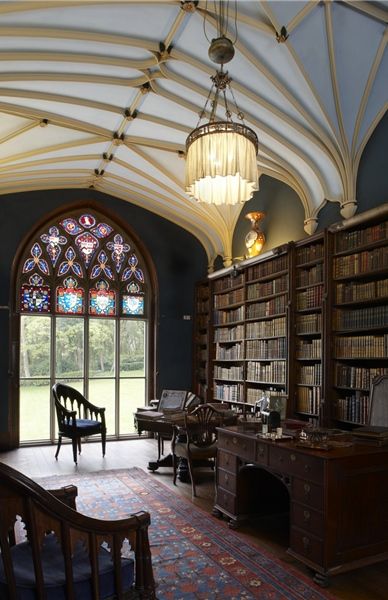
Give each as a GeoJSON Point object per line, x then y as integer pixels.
{"type": "Point", "coordinates": [308, 400]}
{"type": "Point", "coordinates": [229, 334]}
{"type": "Point", "coordinates": [231, 393]}
{"type": "Point", "coordinates": [361, 318]}
{"type": "Point", "coordinates": [309, 323]}
{"type": "Point", "coordinates": [361, 263]}
{"type": "Point", "coordinates": [310, 374]}
{"type": "Point", "coordinates": [267, 288]}
{"type": "Point", "coordinates": [356, 292]}
{"type": "Point", "coordinates": [226, 283]}
{"type": "Point", "coordinates": [363, 346]}
{"type": "Point", "coordinates": [310, 276]}
{"type": "Point", "coordinates": [233, 373]}
{"type": "Point", "coordinates": [230, 297]}
{"type": "Point", "coordinates": [261, 349]}
{"type": "Point", "coordinates": [272, 372]}
{"type": "Point", "coordinates": [222, 317]}
{"type": "Point", "coordinates": [306, 254]}
{"type": "Point", "coordinates": [276, 306]}
{"type": "Point", "coordinates": [235, 352]}
{"type": "Point", "coordinates": [349, 240]}
{"type": "Point", "coordinates": [354, 408]}
{"type": "Point", "coordinates": [270, 267]}
{"type": "Point", "coordinates": [311, 298]}
{"type": "Point", "coordinates": [357, 377]}
{"type": "Point", "coordinates": [309, 348]}
{"type": "Point", "coordinates": [272, 328]}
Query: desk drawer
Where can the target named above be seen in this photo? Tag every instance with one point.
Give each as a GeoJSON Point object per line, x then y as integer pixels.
{"type": "Point", "coordinates": [226, 480]}
{"type": "Point", "coordinates": [307, 493]}
{"type": "Point", "coordinates": [227, 461]}
{"type": "Point", "coordinates": [243, 447]}
{"type": "Point", "coordinates": [227, 501]}
{"type": "Point", "coordinates": [261, 454]}
{"type": "Point", "coordinates": [308, 519]}
{"type": "Point", "coordinates": [294, 463]}
{"type": "Point", "coordinates": [306, 545]}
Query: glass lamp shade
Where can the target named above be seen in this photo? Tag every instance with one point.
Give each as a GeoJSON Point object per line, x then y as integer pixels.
{"type": "Point", "coordinates": [255, 239]}
{"type": "Point", "coordinates": [221, 165]}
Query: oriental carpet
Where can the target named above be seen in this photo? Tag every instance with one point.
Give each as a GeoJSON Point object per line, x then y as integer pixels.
{"type": "Point", "coordinates": [195, 556]}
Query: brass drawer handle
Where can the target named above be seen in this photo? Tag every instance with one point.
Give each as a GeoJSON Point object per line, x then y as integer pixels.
{"type": "Point", "coordinates": [235, 441]}
{"type": "Point", "coordinates": [306, 515]}
{"type": "Point", "coordinates": [307, 488]}
{"type": "Point", "coordinates": [306, 542]}
{"type": "Point", "coordinates": [293, 457]}
{"type": "Point", "coordinates": [307, 468]}
{"type": "Point", "coordinates": [260, 452]}
{"type": "Point", "coordinates": [226, 479]}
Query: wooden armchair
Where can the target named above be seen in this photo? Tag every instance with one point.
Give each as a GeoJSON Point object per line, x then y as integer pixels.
{"type": "Point", "coordinates": [199, 444]}
{"type": "Point", "coordinates": [64, 554]}
{"type": "Point", "coordinates": [77, 418]}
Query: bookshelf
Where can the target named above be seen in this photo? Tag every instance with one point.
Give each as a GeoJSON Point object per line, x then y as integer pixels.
{"type": "Point", "coordinates": [359, 317]}
{"type": "Point", "coordinates": [308, 320]}
{"type": "Point", "coordinates": [266, 326]}
{"type": "Point", "coordinates": [228, 310]}
{"type": "Point", "coordinates": [201, 338]}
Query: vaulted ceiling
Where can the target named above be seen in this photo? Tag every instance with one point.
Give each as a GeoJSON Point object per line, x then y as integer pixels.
{"type": "Point", "coordinates": [103, 94]}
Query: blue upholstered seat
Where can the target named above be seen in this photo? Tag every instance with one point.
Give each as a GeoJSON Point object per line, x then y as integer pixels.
{"type": "Point", "coordinates": [54, 572]}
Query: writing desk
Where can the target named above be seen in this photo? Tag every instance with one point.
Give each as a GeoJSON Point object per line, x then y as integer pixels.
{"type": "Point", "coordinates": [338, 499]}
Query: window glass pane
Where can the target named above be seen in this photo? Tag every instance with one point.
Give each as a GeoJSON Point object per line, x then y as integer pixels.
{"type": "Point", "coordinates": [132, 348]}
{"type": "Point", "coordinates": [35, 399]}
{"type": "Point", "coordinates": [34, 346]}
{"type": "Point", "coordinates": [102, 394]}
{"type": "Point", "coordinates": [102, 348]}
{"type": "Point", "coordinates": [132, 397]}
{"type": "Point", "coordinates": [69, 348]}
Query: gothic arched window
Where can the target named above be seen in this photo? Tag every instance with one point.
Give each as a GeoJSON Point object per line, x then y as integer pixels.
{"type": "Point", "coordinates": [84, 303]}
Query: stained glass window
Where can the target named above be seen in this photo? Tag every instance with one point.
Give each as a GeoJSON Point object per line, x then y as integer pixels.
{"type": "Point", "coordinates": [89, 268]}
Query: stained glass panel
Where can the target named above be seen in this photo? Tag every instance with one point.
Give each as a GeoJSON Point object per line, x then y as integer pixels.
{"type": "Point", "coordinates": [132, 305]}
{"type": "Point", "coordinates": [35, 298]}
{"type": "Point", "coordinates": [87, 245]}
{"type": "Point", "coordinates": [70, 300]}
{"type": "Point", "coordinates": [102, 301]}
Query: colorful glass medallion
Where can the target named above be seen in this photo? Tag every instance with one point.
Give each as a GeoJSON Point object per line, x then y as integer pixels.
{"type": "Point", "coordinates": [70, 264]}
{"type": "Point", "coordinates": [102, 230]}
{"type": "Point", "coordinates": [133, 305]}
{"type": "Point", "coordinates": [54, 242]}
{"type": "Point", "coordinates": [87, 244]}
{"type": "Point", "coordinates": [70, 299]}
{"type": "Point", "coordinates": [133, 270]}
{"type": "Point", "coordinates": [35, 298]}
{"type": "Point", "coordinates": [119, 249]}
{"type": "Point", "coordinates": [36, 260]}
{"type": "Point", "coordinates": [87, 221]}
{"type": "Point", "coordinates": [71, 226]}
{"type": "Point", "coordinates": [102, 301]}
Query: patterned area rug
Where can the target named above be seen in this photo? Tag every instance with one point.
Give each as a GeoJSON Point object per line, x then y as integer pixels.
{"type": "Point", "coordinates": [195, 555]}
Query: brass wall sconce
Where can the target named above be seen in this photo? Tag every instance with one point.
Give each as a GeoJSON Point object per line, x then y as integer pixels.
{"type": "Point", "coordinates": [255, 238]}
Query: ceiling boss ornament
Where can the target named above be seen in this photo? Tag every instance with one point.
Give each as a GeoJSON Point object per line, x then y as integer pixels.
{"type": "Point", "coordinates": [221, 165]}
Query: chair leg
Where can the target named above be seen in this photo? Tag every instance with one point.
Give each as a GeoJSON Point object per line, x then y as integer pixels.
{"type": "Point", "coordinates": [191, 472]}
{"type": "Point", "coordinates": [159, 446]}
{"type": "Point", "coordinates": [58, 447]}
{"type": "Point", "coordinates": [174, 461]}
{"type": "Point", "coordinates": [103, 440]}
{"type": "Point", "coordinates": [74, 443]}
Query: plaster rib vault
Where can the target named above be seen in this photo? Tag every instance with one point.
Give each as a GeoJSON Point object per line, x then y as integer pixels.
{"type": "Point", "coordinates": [98, 94]}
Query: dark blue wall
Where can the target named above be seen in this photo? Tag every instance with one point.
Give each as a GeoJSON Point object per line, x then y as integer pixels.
{"type": "Point", "coordinates": [179, 261]}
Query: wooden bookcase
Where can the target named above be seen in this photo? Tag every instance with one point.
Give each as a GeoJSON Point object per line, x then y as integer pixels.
{"type": "Point", "coordinates": [359, 317]}
{"type": "Point", "coordinates": [307, 321]}
{"type": "Point", "coordinates": [308, 302]}
{"type": "Point", "coordinates": [201, 339]}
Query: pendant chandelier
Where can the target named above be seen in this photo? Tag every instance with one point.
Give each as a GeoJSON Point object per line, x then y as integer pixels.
{"type": "Point", "coordinates": [221, 165]}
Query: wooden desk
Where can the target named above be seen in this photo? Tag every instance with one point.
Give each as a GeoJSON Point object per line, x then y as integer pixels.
{"type": "Point", "coordinates": [338, 499]}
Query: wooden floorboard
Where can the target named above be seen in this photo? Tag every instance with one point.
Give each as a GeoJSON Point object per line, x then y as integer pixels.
{"type": "Point", "coordinates": [368, 583]}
